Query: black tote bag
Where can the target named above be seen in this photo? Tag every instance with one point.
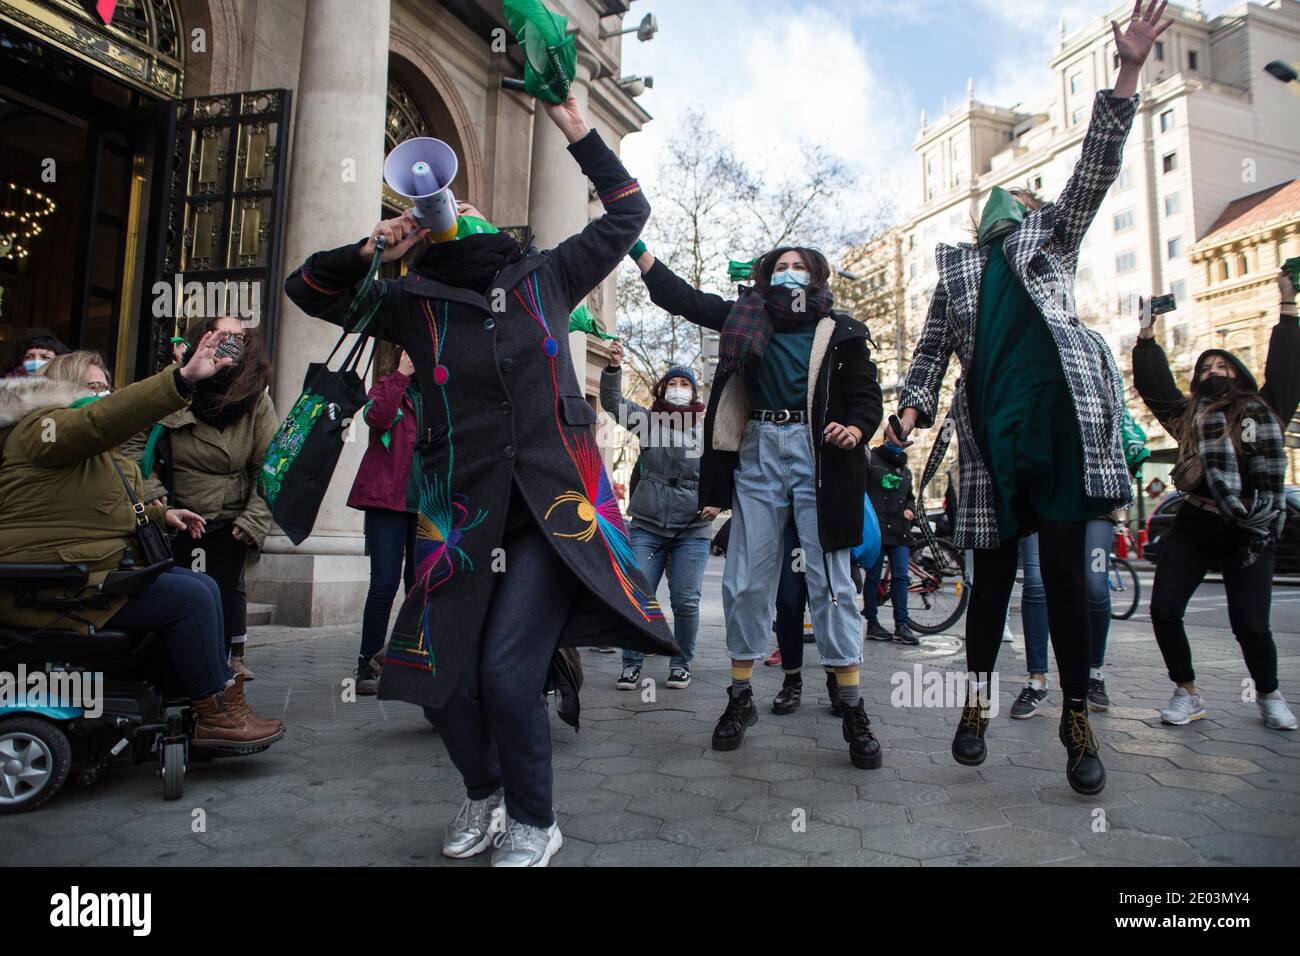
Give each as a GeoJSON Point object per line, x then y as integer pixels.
{"type": "Point", "coordinates": [301, 458]}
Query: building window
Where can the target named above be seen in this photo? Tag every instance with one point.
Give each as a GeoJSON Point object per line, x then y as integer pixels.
{"type": "Point", "coordinates": [1114, 59]}
{"type": "Point", "coordinates": [1036, 184]}
{"type": "Point", "coordinates": [1243, 266]}
{"type": "Point", "coordinates": [1160, 50]}
{"type": "Point", "coordinates": [1076, 116]}
{"type": "Point", "coordinates": [1175, 247]}
{"type": "Point", "coordinates": [1223, 270]}
{"type": "Point", "coordinates": [1124, 221]}
{"type": "Point", "coordinates": [1193, 60]}
{"type": "Point", "coordinates": [1124, 180]}
{"type": "Point", "coordinates": [1172, 204]}
{"type": "Point", "coordinates": [1179, 291]}
{"type": "Point", "coordinates": [1076, 82]}
{"type": "Point", "coordinates": [1126, 262]}
{"type": "Point", "coordinates": [1170, 162]}
{"type": "Point", "coordinates": [1166, 121]}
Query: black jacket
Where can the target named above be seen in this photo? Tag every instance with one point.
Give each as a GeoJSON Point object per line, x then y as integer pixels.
{"type": "Point", "coordinates": [890, 503]}
{"type": "Point", "coordinates": [843, 389]}
{"type": "Point", "coordinates": [503, 408]}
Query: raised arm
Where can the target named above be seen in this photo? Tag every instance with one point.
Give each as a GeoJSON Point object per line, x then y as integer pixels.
{"type": "Point", "coordinates": [583, 261]}
{"type": "Point", "coordinates": [1282, 367]}
{"type": "Point", "coordinates": [612, 400]}
{"type": "Point", "coordinates": [326, 284]}
{"type": "Point", "coordinates": [675, 295]}
{"type": "Point", "coordinates": [76, 434]}
{"type": "Point", "coordinates": [1153, 379]}
{"type": "Point", "coordinates": [1112, 115]}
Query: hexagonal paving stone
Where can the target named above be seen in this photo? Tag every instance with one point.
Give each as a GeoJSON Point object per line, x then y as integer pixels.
{"type": "Point", "coordinates": [673, 806]}
{"type": "Point", "coordinates": [640, 853]}
{"type": "Point", "coordinates": [747, 856]}
{"type": "Point", "coordinates": [900, 791]}
{"type": "Point", "coordinates": [1139, 848]}
{"type": "Point", "coordinates": [917, 841]}
{"type": "Point", "coordinates": [611, 827]}
{"type": "Point", "coordinates": [817, 838]}
{"type": "Point", "coordinates": [727, 787]}
{"type": "Point", "coordinates": [959, 816]}
{"type": "Point", "coordinates": [1019, 845]}
{"type": "Point", "coordinates": [634, 783]}
{"type": "Point", "coordinates": [1247, 849]}
{"type": "Point", "coordinates": [709, 833]}
{"type": "Point", "coordinates": [857, 858]}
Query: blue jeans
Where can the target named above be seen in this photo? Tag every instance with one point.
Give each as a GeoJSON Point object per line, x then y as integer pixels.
{"type": "Point", "coordinates": [899, 556]}
{"type": "Point", "coordinates": [390, 542]}
{"type": "Point", "coordinates": [684, 559]}
{"type": "Point", "coordinates": [185, 607]}
{"type": "Point", "coordinates": [1033, 604]}
{"type": "Point", "coordinates": [776, 475]}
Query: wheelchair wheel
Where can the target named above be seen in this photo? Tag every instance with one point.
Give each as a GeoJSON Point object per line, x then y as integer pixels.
{"type": "Point", "coordinates": [173, 770]}
{"type": "Point", "coordinates": [35, 758]}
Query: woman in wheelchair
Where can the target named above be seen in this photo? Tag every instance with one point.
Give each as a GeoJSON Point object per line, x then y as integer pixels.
{"type": "Point", "coordinates": [63, 499]}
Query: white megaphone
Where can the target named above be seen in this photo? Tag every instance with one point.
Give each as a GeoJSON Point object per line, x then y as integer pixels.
{"type": "Point", "coordinates": [421, 169]}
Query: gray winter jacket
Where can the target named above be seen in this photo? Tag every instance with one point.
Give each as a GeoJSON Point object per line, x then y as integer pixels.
{"type": "Point", "coordinates": [666, 499]}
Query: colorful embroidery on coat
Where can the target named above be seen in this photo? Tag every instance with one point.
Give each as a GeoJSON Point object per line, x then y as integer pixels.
{"type": "Point", "coordinates": [595, 504]}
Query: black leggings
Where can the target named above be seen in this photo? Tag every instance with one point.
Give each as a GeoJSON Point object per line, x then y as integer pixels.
{"type": "Point", "coordinates": [222, 559]}
{"type": "Point", "coordinates": [1062, 555]}
{"type": "Point", "coordinates": [1198, 539]}
{"type": "Point", "coordinates": [791, 598]}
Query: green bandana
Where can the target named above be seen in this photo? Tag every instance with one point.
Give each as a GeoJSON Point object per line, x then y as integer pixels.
{"type": "Point", "coordinates": [474, 226]}
{"type": "Point", "coordinates": [740, 271]}
{"type": "Point", "coordinates": [581, 320]}
{"type": "Point", "coordinates": [1002, 214]}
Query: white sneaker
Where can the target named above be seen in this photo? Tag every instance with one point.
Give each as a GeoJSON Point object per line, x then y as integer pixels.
{"type": "Point", "coordinates": [523, 845]}
{"type": "Point", "coordinates": [470, 833]}
{"type": "Point", "coordinates": [1183, 709]}
{"type": "Point", "coordinates": [1277, 715]}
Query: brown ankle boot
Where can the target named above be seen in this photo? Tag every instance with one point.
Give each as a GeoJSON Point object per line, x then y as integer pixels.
{"type": "Point", "coordinates": [237, 703]}
{"type": "Point", "coordinates": [221, 725]}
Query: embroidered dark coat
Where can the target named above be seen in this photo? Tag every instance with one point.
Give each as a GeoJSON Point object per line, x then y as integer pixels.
{"type": "Point", "coordinates": [502, 405]}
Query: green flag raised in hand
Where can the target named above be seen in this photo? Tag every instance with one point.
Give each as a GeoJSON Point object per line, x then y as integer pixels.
{"type": "Point", "coordinates": [550, 57]}
{"type": "Point", "coordinates": [581, 320]}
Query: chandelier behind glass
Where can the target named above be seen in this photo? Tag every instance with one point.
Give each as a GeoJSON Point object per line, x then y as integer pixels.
{"type": "Point", "coordinates": [21, 213]}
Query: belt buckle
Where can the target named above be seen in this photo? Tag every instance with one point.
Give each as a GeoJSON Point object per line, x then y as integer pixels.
{"type": "Point", "coordinates": [782, 417]}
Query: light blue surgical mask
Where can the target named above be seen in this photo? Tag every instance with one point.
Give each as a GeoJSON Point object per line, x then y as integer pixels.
{"type": "Point", "coordinates": [32, 366]}
{"type": "Point", "coordinates": [791, 277]}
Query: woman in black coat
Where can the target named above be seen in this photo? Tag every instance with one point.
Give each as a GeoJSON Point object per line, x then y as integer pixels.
{"type": "Point", "coordinates": [520, 543]}
{"type": "Point", "coordinates": [794, 401]}
{"type": "Point", "coordinates": [1234, 511]}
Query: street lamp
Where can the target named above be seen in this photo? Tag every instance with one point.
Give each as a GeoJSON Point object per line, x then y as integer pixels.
{"type": "Point", "coordinates": [1282, 71]}
{"type": "Point", "coordinates": [644, 31]}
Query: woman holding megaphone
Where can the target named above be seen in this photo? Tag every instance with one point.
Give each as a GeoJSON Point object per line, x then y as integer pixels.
{"type": "Point", "coordinates": [520, 545]}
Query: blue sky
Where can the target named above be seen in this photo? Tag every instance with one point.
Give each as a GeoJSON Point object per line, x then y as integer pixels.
{"type": "Point", "coordinates": [853, 74]}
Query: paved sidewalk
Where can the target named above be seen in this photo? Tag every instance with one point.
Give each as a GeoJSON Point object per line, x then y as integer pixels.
{"type": "Point", "coordinates": [369, 783]}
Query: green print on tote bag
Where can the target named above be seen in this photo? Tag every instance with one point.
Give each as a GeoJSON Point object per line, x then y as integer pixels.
{"type": "Point", "coordinates": [301, 458]}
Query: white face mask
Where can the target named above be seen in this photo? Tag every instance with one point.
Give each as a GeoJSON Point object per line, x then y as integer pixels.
{"type": "Point", "coordinates": [677, 396]}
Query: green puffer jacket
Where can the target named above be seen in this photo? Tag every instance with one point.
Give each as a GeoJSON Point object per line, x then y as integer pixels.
{"type": "Point", "coordinates": [214, 472]}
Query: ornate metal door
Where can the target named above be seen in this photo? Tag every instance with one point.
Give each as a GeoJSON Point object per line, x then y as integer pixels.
{"type": "Point", "coordinates": [223, 220]}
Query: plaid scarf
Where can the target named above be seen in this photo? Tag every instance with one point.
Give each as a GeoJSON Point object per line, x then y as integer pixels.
{"type": "Point", "coordinates": [1261, 522]}
{"type": "Point", "coordinates": [753, 319]}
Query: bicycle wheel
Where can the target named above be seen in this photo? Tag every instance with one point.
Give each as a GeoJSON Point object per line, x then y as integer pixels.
{"type": "Point", "coordinates": [1125, 591]}
{"type": "Point", "coordinates": [938, 592]}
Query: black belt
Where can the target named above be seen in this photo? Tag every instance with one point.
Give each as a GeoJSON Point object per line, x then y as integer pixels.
{"type": "Point", "coordinates": [785, 416]}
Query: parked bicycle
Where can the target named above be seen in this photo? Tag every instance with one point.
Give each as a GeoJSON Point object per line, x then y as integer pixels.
{"type": "Point", "coordinates": [1125, 589]}
{"type": "Point", "coordinates": [937, 589]}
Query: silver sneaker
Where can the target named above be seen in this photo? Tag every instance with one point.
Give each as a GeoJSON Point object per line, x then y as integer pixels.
{"type": "Point", "coordinates": [1277, 715]}
{"type": "Point", "coordinates": [470, 833]}
{"type": "Point", "coordinates": [1183, 709]}
{"type": "Point", "coordinates": [523, 845]}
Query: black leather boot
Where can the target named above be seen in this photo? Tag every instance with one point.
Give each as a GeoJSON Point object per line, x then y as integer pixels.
{"type": "Point", "coordinates": [968, 743]}
{"type": "Point", "coordinates": [787, 701]}
{"type": "Point", "coordinates": [833, 692]}
{"type": "Point", "coordinates": [740, 715]}
{"type": "Point", "coordinates": [1083, 766]}
{"type": "Point", "coordinates": [864, 748]}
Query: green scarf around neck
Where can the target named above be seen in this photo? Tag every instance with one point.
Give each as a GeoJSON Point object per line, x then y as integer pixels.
{"type": "Point", "coordinates": [1002, 214]}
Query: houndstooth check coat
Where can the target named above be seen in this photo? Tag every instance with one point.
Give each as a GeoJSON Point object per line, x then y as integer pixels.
{"type": "Point", "coordinates": [1043, 253]}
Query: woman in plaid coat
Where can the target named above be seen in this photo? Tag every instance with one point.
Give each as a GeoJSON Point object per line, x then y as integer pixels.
{"type": "Point", "coordinates": [1034, 411]}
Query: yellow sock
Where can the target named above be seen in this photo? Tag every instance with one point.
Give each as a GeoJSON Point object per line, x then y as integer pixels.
{"type": "Point", "coordinates": [741, 674]}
